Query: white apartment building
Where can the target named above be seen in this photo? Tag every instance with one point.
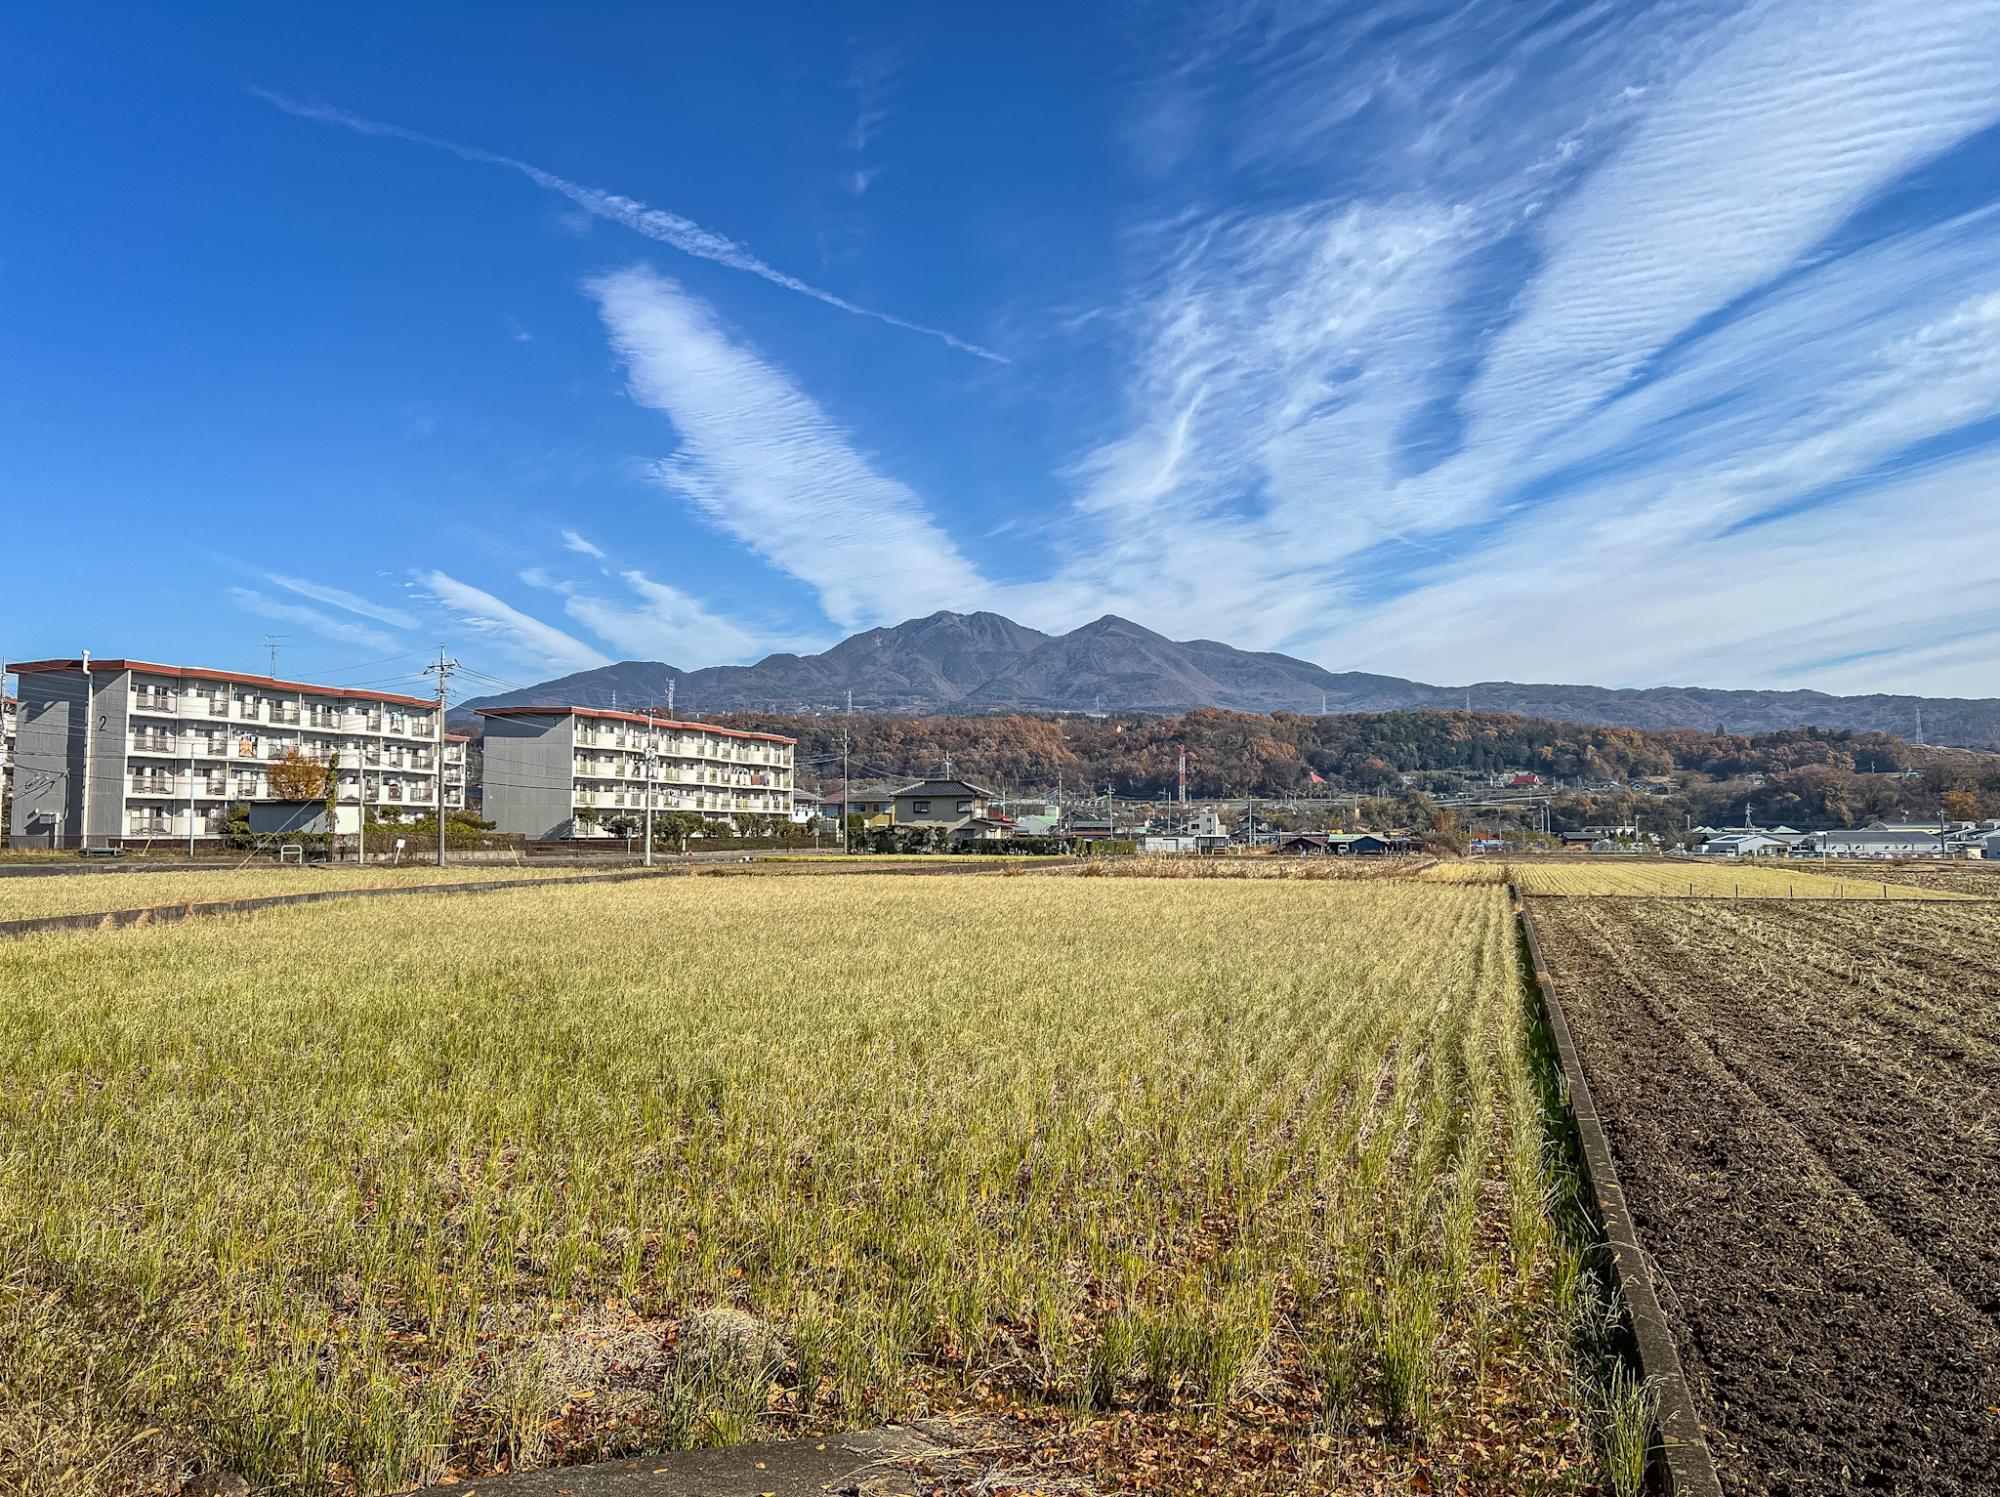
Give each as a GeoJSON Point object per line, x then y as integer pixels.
{"type": "Point", "coordinates": [8, 715]}
{"type": "Point", "coordinates": [122, 751]}
{"type": "Point", "coordinates": [580, 771]}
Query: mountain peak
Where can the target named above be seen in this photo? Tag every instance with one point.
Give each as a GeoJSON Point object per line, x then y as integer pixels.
{"type": "Point", "coordinates": [985, 662]}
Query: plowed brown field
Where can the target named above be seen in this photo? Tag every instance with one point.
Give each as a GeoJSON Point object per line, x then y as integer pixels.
{"type": "Point", "coordinates": [1802, 1099]}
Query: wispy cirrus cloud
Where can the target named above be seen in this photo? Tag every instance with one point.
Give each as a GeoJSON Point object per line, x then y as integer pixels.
{"type": "Point", "coordinates": [643, 619]}
{"type": "Point", "coordinates": [658, 622]}
{"type": "Point", "coordinates": [326, 625]}
{"type": "Point", "coordinates": [340, 598]}
{"type": "Point", "coordinates": [658, 224]}
{"type": "Point", "coordinates": [1650, 312]}
{"type": "Point", "coordinates": [760, 461]}
{"type": "Point", "coordinates": [521, 635]}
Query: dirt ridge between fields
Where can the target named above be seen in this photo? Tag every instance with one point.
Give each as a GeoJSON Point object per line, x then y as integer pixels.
{"type": "Point", "coordinates": [170, 914]}
{"type": "Point", "coordinates": [1684, 1467]}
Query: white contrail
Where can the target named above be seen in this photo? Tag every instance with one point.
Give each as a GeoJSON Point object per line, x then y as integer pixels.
{"type": "Point", "coordinates": [683, 234]}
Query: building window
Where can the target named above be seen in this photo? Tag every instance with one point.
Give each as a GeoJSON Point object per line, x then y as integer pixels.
{"type": "Point", "coordinates": [965, 808]}
{"type": "Point", "coordinates": [922, 808]}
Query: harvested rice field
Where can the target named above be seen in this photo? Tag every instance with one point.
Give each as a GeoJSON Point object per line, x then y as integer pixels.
{"type": "Point", "coordinates": [1683, 878]}
{"type": "Point", "coordinates": [1257, 865]}
{"type": "Point", "coordinates": [1801, 1099]}
{"type": "Point", "coordinates": [26, 897]}
{"type": "Point", "coordinates": [1179, 1187]}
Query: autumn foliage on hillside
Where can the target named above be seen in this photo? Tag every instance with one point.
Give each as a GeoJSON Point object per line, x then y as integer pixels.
{"type": "Point", "coordinates": [1233, 753]}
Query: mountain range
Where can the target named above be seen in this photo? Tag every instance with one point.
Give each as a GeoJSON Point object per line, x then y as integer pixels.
{"type": "Point", "coordinates": [983, 662]}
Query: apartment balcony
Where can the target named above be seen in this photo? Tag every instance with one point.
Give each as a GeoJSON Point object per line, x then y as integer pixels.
{"type": "Point", "coordinates": [154, 785]}
{"type": "Point", "coordinates": [155, 703]}
{"type": "Point", "coordinates": [155, 743]}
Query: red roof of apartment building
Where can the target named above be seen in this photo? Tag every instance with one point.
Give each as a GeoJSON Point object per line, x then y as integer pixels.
{"type": "Point", "coordinates": [629, 717]}
{"type": "Point", "coordinates": [197, 673]}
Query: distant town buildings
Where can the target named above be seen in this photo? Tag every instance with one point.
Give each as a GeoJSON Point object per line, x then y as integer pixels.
{"type": "Point", "coordinates": [113, 752]}
{"type": "Point", "coordinates": [582, 771]}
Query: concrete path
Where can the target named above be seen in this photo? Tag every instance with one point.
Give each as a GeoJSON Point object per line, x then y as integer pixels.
{"type": "Point", "coordinates": [873, 1463]}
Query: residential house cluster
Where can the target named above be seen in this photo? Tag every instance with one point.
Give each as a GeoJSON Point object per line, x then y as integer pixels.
{"type": "Point", "coordinates": [1346, 844]}
{"type": "Point", "coordinates": [1949, 839]}
{"type": "Point", "coordinates": [1611, 837]}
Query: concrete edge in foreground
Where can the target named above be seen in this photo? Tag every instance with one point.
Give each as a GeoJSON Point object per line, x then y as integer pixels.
{"type": "Point", "coordinates": [1685, 1466]}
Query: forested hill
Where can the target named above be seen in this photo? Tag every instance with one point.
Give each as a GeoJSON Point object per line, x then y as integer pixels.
{"type": "Point", "coordinates": [1233, 753]}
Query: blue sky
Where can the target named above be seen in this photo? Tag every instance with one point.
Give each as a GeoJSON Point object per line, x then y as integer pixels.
{"type": "Point", "coordinates": [1627, 343]}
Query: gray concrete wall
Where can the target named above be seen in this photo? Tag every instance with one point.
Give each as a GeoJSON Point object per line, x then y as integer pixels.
{"type": "Point", "coordinates": [528, 774]}
{"type": "Point", "coordinates": [110, 705]}
{"type": "Point", "coordinates": [48, 760]}
{"type": "Point", "coordinates": [48, 770]}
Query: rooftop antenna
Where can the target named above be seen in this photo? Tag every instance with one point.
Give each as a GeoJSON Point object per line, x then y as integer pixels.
{"type": "Point", "coordinates": [670, 697]}
{"type": "Point", "coordinates": [272, 641]}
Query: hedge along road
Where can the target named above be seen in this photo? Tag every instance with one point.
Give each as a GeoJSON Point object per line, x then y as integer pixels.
{"type": "Point", "coordinates": [1800, 1098]}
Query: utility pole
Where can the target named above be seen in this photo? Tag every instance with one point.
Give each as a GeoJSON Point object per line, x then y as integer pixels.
{"type": "Point", "coordinates": [652, 762]}
{"type": "Point", "coordinates": [89, 723]}
{"type": "Point", "coordinates": [361, 793]}
{"type": "Point", "coordinates": [846, 781]}
{"type": "Point", "coordinates": [444, 668]}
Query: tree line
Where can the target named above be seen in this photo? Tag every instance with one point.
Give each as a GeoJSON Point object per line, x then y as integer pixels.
{"type": "Point", "coordinates": [1238, 753]}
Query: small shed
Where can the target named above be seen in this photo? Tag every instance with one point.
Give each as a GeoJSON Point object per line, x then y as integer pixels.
{"type": "Point", "coordinates": [300, 818]}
